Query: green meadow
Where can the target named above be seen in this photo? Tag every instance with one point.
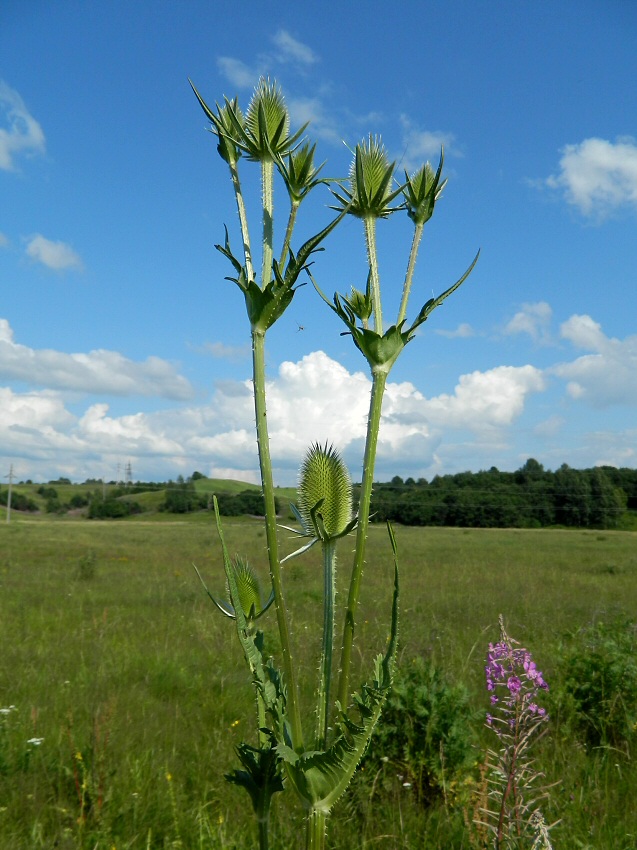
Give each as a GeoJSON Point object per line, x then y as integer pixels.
{"type": "Point", "coordinates": [123, 691]}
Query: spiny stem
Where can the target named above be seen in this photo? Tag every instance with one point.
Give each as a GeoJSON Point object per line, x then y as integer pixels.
{"type": "Point", "coordinates": [372, 258]}
{"type": "Point", "coordinates": [263, 442]}
{"type": "Point", "coordinates": [409, 276]}
{"type": "Point", "coordinates": [379, 379]}
{"type": "Point", "coordinates": [267, 179]}
{"type": "Point", "coordinates": [261, 720]}
{"type": "Point", "coordinates": [325, 674]}
{"type": "Point", "coordinates": [243, 220]}
{"type": "Point", "coordinates": [294, 208]}
{"type": "Point", "coordinates": [316, 826]}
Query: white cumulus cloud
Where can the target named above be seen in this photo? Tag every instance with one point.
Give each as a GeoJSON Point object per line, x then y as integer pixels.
{"type": "Point", "coordinates": [21, 133]}
{"type": "Point", "coordinates": [291, 49]}
{"type": "Point", "coordinates": [485, 400]}
{"type": "Point", "coordinates": [463, 331]}
{"type": "Point", "coordinates": [237, 72]}
{"type": "Point", "coordinates": [422, 145]}
{"type": "Point", "coordinates": [54, 255]}
{"type": "Point", "coordinates": [97, 371]}
{"type": "Point", "coordinates": [532, 319]}
{"type": "Point", "coordinates": [606, 375]}
{"type": "Point", "coordinates": [313, 399]}
{"type": "Point", "coordinates": [598, 176]}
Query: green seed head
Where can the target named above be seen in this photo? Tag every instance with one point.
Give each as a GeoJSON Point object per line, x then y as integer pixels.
{"type": "Point", "coordinates": [267, 121]}
{"type": "Point", "coordinates": [422, 190]}
{"type": "Point", "coordinates": [324, 476]}
{"type": "Point", "coordinates": [248, 587]}
{"type": "Point", "coordinates": [225, 128]}
{"type": "Point", "coordinates": [370, 191]}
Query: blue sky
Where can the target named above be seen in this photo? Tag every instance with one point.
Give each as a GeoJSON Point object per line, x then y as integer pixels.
{"type": "Point", "coordinates": [120, 340]}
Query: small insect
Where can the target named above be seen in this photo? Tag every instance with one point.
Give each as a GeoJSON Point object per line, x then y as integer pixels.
{"type": "Point", "coordinates": [301, 328]}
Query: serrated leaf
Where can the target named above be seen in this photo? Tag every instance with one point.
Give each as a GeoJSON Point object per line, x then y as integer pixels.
{"type": "Point", "coordinates": [321, 777]}
{"type": "Point", "coordinates": [431, 305]}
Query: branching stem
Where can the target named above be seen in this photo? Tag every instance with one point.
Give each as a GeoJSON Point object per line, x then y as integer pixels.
{"type": "Point", "coordinates": [267, 179]}
{"type": "Point", "coordinates": [243, 219]}
{"type": "Point", "coordinates": [409, 276]}
{"type": "Point", "coordinates": [379, 379]}
{"type": "Point", "coordinates": [263, 442]}
{"type": "Point", "coordinates": [294, 208]}
{"type": "Point", "coordinates": [325, 673]}
{"type": "Point", "coordinates": [370, 241]}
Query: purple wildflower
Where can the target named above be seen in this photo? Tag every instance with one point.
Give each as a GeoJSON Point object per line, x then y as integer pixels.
{"type": "Point", "coordinates": [514, 684]}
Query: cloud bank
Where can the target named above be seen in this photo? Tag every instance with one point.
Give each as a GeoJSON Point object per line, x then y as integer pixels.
{"type": "Point", "coordinates": [100, 371]}
{"type": "Point", "coordinates": [21, 133]}
{"type": "Point", "coordinates": [57, 256]}
{"type": "Point", "coordinates": [598, 176]}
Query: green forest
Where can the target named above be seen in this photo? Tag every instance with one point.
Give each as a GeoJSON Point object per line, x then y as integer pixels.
{"type": "Point", "coordinates": [531, 497]}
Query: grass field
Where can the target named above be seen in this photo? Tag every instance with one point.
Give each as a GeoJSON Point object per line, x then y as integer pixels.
{"type": "Point", "coordinates": [130, 691]}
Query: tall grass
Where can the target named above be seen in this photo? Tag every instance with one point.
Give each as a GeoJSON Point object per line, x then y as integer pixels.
{"type": "Point", "coordinates": [136, 685]}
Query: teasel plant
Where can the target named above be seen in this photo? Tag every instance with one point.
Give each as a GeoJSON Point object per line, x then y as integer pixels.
{"type": "Point", "coordinates": [318, 771]}
{"type": "Point", "coordinates": [262, 135]}
{"type": "Point", "coordinates": [319, 767]}
{"type": "Point", "coordinates": [371, 194]}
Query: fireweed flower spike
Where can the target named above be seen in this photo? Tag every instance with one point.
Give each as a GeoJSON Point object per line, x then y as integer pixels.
{"type": "Point", "coordinates": [517, 718]}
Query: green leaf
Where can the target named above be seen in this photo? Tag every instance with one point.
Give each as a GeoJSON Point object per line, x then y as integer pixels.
{"type": "Point", "coordinates": [264, 676]}
{"type": "Point", "coordinates": [321, 777]}
{"type": "Point", "coordinates": [261, 776]}
{"type": "Point", "coordinates": [431, 305]}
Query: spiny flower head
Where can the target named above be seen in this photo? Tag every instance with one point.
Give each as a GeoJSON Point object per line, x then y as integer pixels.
{"type": "Point", "coordinates": [422, 190]}
{"type": "Point", "coordinates": [324, 481]}
{"type": "Point", "coordinates": [248, 587]}
{"type": "Point", "coordinates": [299, 173]}
{"type": "Point", "coordinates": [267, 124]}
{"type": "Point", "coordinates": [227, 125]}
{"type": "Point", "coordinates": [370, 192]}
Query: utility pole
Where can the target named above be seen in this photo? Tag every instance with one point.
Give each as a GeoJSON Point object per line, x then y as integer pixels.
{"type": "Point", "coordinates": [10, 477]}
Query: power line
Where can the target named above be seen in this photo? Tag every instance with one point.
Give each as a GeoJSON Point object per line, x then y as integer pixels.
{"type": "Point", "coordinates": [10, 477]}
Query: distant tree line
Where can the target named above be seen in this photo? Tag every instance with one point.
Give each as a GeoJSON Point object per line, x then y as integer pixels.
{"type": "Point", "coordinates": [531, 497]}
{"type": "Point", "coordinates": [182, 497]}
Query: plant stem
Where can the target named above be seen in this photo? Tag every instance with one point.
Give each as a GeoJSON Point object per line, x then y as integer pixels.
{"type": "Point", "coordinates": [243, 219]}
{"type": "Point", "coordinates": [315, 830]}
{"type": "Point", "coordinates": [409, 276]}
{"type": "Point", "coordinates": [370, 241]}
{"type": "Point", "coordinates": [263, 821]}
{"type": "Point", "coordinates": [379, 379]}
{"type": "Point", "coordinates": [325, 674]}
{"type": "Point", "coordinates": [261, 720]}
{"type": "Point", "coordinates": [294, 208]}
{"type": "Point", "coordinates": [263, 442]}
{"type": "Point", "coordinates": [267, 179]}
